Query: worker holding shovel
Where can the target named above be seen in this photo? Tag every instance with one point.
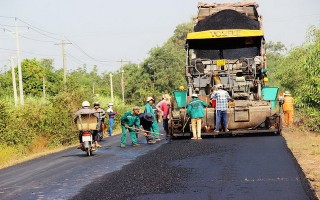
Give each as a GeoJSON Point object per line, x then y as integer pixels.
{"type": "Point", "coordinates": [128, 120]}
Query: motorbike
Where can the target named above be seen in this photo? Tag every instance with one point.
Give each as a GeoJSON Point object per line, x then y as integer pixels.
{"type": "Point", "coordinates": [87, 124]}
{"type": "Point", "coordinates": [88, 145]}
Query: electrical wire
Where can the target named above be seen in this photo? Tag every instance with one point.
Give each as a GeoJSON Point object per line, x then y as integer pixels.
{"type": "Point", "coordinates": [38, 30]}
{"type": "Point", "coordinates": [52, 36]}
{"type": "Point", "coordinates": [48, 41]}
{"type": "Point", "coordinates": [85, 53]}
{"type": "Point", "coordinates": [28, 52]}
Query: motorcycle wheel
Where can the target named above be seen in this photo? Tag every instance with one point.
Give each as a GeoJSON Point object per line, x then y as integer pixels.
{"type": "Point", "coordinates": [89, 152]}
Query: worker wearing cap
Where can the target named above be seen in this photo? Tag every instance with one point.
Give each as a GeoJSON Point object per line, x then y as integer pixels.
{"type": "Point", "coordinates": [222, 97]}
{"type": "Point", "coordinates": [195, 110]}
{"type": "Point", "coordinates": [149, 109]}
{"type": "Point", "coordinates": [288, 108]}
{"type": "Point", "coordinates": [128, 120]}
{"type": "Point", "coordinates": [111, 115]}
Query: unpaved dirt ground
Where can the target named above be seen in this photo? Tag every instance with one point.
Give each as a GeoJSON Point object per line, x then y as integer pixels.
{"type": "Point", "coordinates": [305, 146]}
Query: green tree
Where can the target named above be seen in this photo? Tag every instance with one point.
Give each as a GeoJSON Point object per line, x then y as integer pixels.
{"type": "Point", "coordinates": [32, 76]}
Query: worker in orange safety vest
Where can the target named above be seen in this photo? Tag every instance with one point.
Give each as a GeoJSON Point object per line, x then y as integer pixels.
{"type": "Point", "coordinates": [288, 108]}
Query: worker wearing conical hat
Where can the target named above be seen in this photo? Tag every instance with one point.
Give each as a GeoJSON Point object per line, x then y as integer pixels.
{"type": "Point", "coordinates": [288, 108]}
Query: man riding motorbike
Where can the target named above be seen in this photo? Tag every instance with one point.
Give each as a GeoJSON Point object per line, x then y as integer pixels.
{"type": "Point", "coordinates": [86, 110]}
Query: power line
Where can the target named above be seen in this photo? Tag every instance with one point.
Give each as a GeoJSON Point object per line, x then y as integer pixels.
{"type": "Point", "coordinates": [51, 35]}
{"type": "Point", "coordinates": [5, 29]}
{"type": "Point", "coordinates": [14, 26]}
{"type": "Point", "coordinates": [39, 29]}
{"type": "Point", "coordinates": [48, 41]}
{"type": "Point", "coordinates": [7, 17]}
{"type": "Point", "coordinates": [28, 52]}
{"type": "Point", "coordinates": [85, 53]}
{"type": "Point", "coordinates": [73, 43]}
{"type": "Point", "coordinates": [75, 58]}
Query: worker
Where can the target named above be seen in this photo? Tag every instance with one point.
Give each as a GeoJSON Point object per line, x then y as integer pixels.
{"type": "Point", "coordinates": [128, 120]}
{"type": "Point", "coordinates": [146, 120]}
{"type": "Point", "coordinates": [195, 110]}
{"type": "Point", "coordinates": [222, 97]}
{"type": "Point", "coordinates": [86, 110]}
{"type": "Point", "coordinates": [164, 108]}
{"type": "Point", "coordinates": [149, 109]}
{"type": "Point", "coordinates": [111, 115]}
{"type": "Point", "coordinates": [101, 115]}
{"type": "Point", "coordinates": [288, 108]}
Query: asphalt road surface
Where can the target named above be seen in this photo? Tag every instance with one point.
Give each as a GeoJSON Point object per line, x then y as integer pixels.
{"type": "Point", "coordinates": [212, 168]}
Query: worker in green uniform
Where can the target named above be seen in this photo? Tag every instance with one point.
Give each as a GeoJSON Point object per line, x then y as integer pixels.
{"type": "Point", "coordinates": [128, 120]}
{"type": "Point", "coordinates": [195, 110]}
{"type": "Point", "coordinates": [155, 127]}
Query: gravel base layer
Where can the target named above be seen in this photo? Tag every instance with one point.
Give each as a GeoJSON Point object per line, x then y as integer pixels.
{"type": "Point", "coordinates": [148, 174]}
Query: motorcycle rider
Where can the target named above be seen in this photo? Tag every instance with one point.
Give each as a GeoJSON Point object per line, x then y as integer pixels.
{"type": "Point", "coordinates": [86, 110]}
{"type": "Point", "coordinates": [101, 115]}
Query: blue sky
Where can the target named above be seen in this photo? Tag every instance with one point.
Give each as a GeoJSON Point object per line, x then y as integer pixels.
{"type": "Point", "coordinates": [104, 31]}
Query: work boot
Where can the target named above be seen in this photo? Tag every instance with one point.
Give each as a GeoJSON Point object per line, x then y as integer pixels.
{"type": "Point", "coordinates": [135, 145]}
{"type": "Point", "coordinates": [157, 139]}
{"type": "Point", "coordinates": [194, 138]}
{"type": "Point", "coordinates": [122, 145]}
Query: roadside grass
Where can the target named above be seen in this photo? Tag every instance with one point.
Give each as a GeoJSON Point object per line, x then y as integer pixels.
{"type": "Point", "coordinates": [305, 146]}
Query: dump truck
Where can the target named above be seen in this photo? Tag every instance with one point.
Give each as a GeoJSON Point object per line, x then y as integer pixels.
{"type": "Point", "coordinates": [228, 47]}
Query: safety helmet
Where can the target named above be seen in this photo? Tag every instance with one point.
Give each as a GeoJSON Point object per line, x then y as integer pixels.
{"type": "Point", "coordinates": [286, 93]}
{"type": "Point", "coordinates": [136, 108]}
{"type": "Point", "coordinates": [96, 104]}
{"type": "Point", "coordinates": [150, 98]}
{"type": "Point", "coordinates": [181, 87]}
{"type": "Point", "coordinates": [194, 95]}
{"type": "Point", "coordinates": [110, 104]}
{"type": "Point", "coordinates": [85, 104]}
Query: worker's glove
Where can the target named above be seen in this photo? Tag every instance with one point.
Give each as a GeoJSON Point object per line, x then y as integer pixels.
{"type": "Point", "coordinates": [126, 126]}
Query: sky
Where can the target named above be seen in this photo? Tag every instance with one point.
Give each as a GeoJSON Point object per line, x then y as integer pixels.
{"type": "Point", "coordinates": [102, 32]}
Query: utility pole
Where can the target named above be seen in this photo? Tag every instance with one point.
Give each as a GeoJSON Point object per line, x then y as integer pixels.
{"type": "Point", "coordinates": [19, 65]}
{"type": "Point", "coordinates": [111, 87]}
{"type": "Point", "coordinates": [122, 78]}
{"type": "Point", "coordinates": [64, 62]}
{"type": "Point", "coordinates": [15, 94]}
